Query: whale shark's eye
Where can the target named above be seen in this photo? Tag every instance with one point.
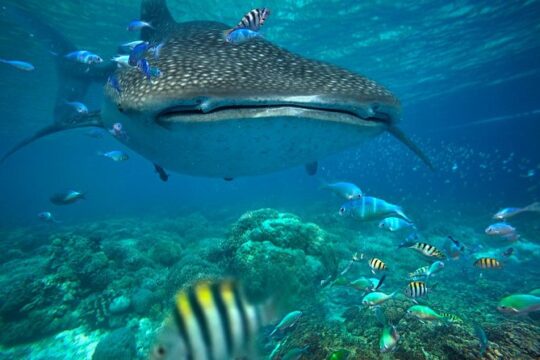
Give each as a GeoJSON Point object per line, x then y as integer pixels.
{"type": "Point", "coordinates": [342, 210]}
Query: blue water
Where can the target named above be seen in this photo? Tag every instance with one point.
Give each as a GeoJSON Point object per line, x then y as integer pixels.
{"type": "Point", "coordinates": [467, 74]}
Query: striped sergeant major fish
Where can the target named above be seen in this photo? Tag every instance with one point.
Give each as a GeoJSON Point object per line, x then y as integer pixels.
{"type": "Point", "coordinates": [424, 248]}
{"type": "Point", "coordinates": [253, 20]}
{"type": "Point", "coordinates": [451, 317]}
{"type": "Point", "coordinates": [210, 321]}
{"type": "Point", "coordinates": [416, 289]}
{"type": "Point", "coordinates": [248, 28]}
{"type": "Point", "coordinates": [377, 265]}
{"type": "Point", "coordinates": [368, 208]}
{"type": "Point", "coordinates": [488, 263]}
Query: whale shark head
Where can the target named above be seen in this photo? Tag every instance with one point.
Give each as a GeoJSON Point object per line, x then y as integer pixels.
{"type": "Point", "coordinates": [226, 110]}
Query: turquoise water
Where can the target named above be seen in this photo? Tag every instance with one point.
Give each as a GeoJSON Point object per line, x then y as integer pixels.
{"type": "Point", "coordinates": [98, 279]}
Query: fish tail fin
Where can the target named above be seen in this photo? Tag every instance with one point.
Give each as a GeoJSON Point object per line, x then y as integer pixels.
{"type": "Point", "coordinates": [405, 244]}
{"type": "Point", "coordinates": [533, 207]}
{"type": "Point", "coordinates": [400, 135]}
{"type": "Point", "coordinates": [400, 212]}
{"type": "Point", "coordinates": [381, 280]}
{"type": "Point", "coordinates": [74, 79]}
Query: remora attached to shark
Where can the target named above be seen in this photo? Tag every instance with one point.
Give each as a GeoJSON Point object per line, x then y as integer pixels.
{"type": "Point", "coordinates": [223, 110]}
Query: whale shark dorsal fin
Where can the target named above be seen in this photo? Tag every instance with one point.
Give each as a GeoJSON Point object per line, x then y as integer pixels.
{"type": "Point", "coordinates": [157, 14]}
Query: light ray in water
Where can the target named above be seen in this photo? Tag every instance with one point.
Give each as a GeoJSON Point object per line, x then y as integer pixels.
{"type": "Point", "coordinates": [492, 120]}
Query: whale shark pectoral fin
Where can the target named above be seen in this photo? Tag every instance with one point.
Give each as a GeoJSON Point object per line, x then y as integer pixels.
{"type": "Point", "coordinates": [311, 168]}
{"type": "Point", "coordinates": [92, 119]}
{"type": "Point", "coordinates": [158, 15]}
{"type": "Point", "coordinates": [400, 135]}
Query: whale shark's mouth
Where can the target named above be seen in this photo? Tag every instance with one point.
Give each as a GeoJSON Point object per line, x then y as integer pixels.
{"type": "Point", "coordinates": [202, 112]}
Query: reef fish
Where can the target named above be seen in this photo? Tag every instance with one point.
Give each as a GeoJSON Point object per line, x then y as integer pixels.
{"type": "Point", "coordinates": [424, 313]}
{"type": "Point", "coordinates": [197, 118]}
{"type": "Point", "coordinates": [345, 190]}
{"type": "Point", "coordinates": [482, 338]}
{"type": "Point", "coordinates": [389, 339]}
{"type": "Point", "coordinates": [115, 155]}
{"type": "Point", "coordinates": [519, 304]}
{"type": "Point", "coordinates": [377, 265]}
{"type": "Point", "coordinates": [376, 298]}
{"type": "Point", "coordinates": [367, 284]}
{"type": "Point", "coordinates": [488, 263]}
{"type": "Point", "coordinates": [506, 213]}
{"type": "Point", "coordinates": [427, 271]}
{"type": "Point", "coordinates": [47, 216]}
{"type": "Point", "coordinates": [451, 317]}
{"type": "Point", "coordinates": [287, 323]}
{"type": "Point", "coordinates": [210, 320]}
{"type": "Point", "coordinates": [66, 198]}
{"type": "Point", "coordinates": [340, 354]}
{"type": "Point", "coordinates": [21, 65]}
{"type": "Point", "coordinates": [503, 230]}
{"type": "Point", "coordinates": [135, 25]}
{"type": "Point", "coordinates": [367, 208]}
{"type": "Point", "coordinates": [416, 289]}
{"type": "Point", "coordinates": [395, 224]}
{"type": "Point", "coordinates": [84, 57]}
{"type": "Point", "coordinates": [424, 248]}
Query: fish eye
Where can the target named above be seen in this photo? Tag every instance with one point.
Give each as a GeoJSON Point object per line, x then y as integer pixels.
{"type": "Point", "coordinates": [159, 351]}
{"type": "Point", "coordinates": [341, 210]}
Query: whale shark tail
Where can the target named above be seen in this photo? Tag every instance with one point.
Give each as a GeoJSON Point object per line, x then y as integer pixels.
{"type": "Point", "coordinates": [74, 79]}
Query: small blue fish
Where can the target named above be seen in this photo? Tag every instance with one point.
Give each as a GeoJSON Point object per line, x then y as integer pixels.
{"type": "Point", "coordinates": [48, 217]}
{"type": "Point", "coordinates": [144, 67]}
{"type": "Point", "coordinates": [113, 82]}
{"type": "Point", "coordinates": [115, 155]}
{"type": "Point", "coordinates": [482, 338]}
{"type": "Point", "coordinates": [121, 60]}
{"type": "Point", "coordinates": [138, 53]}
{"type": "Point", "coordinates": [78, 106]}
{"type": "Point", "coordinates": [84, 57]}
{"type": "Point", "coordinates": [135, 25]}
{"type": "Point", "coordinates": [128, 47]}
{"type": "Point", "coordinates": [394, 224]}
{"type": "Point", "coordinates": [345, 190]}
{"type": "Point", "coordinates": [240, 36]}
{"type": "Point", "coordinates": [67, 197]}
{"type": "Point", "coordinates": [367, 208]}
{"type": "Point", "coordinates": [156, 50]}
{"type": "Point", "coordinates": [21, 65]}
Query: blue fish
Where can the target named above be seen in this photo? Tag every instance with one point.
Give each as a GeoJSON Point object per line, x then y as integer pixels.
{"type": "Point", "coordinates": [144, 67]}
{"type": "Point", "coordinates": [138, 53]}
{"type": "Point", "coordinates": [395, 224]}
{"type": "Point", "coordinates": [21, 65]}
{"type": "Point", "coordinates": [156, 50]}
{"type": "Point", "coordinates": [47, 216]}
{"type": "Point", "coordinates": [78, 106]}
{"type": "Point", "coordinates": [126, 48]}
{"type": "Point", "coordinates": [115, 155]}
{"type": "Point", "coordinates": [367, 208]}
{"type": "Point", "coordinates": [114, 83]}
{"type": "Point", "coordinates": [135, 25]}
{"type": "Point", "coordinates": [240, 36]}
{"type": "Point", "coordinates": [482, 338]}
{"type": "Point", "coordinates": [84, 57]}
{"type": "Point", "coordinates": [346, 190]}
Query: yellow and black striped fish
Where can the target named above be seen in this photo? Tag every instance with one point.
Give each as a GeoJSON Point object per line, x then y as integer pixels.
{"type": "Point", "coordinates": [377, 264]}
{"type": "Point", "coordinates": [416, 289]}
{"type": "Point", "coordinates": [211, 321]}
{"type": "Point", "coordinates": [425, 249]}
{"type": "Point", "coordinates": [253, 20]}
{"type": "Point", "coordinates": [451, 317]}
{"type": "Point", "coordinates": [488, 263]}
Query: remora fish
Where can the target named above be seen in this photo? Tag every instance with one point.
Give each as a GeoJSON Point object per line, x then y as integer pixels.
{"type": "Point", "coordinates": [200, 120]}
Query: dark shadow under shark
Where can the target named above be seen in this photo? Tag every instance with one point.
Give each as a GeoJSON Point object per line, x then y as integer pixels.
{"type": "Point", "coordinates": [221, 110]}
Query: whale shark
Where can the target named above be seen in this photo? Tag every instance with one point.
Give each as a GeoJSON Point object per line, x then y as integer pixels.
{"type": "Point", "coordinates": [220, 109]}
